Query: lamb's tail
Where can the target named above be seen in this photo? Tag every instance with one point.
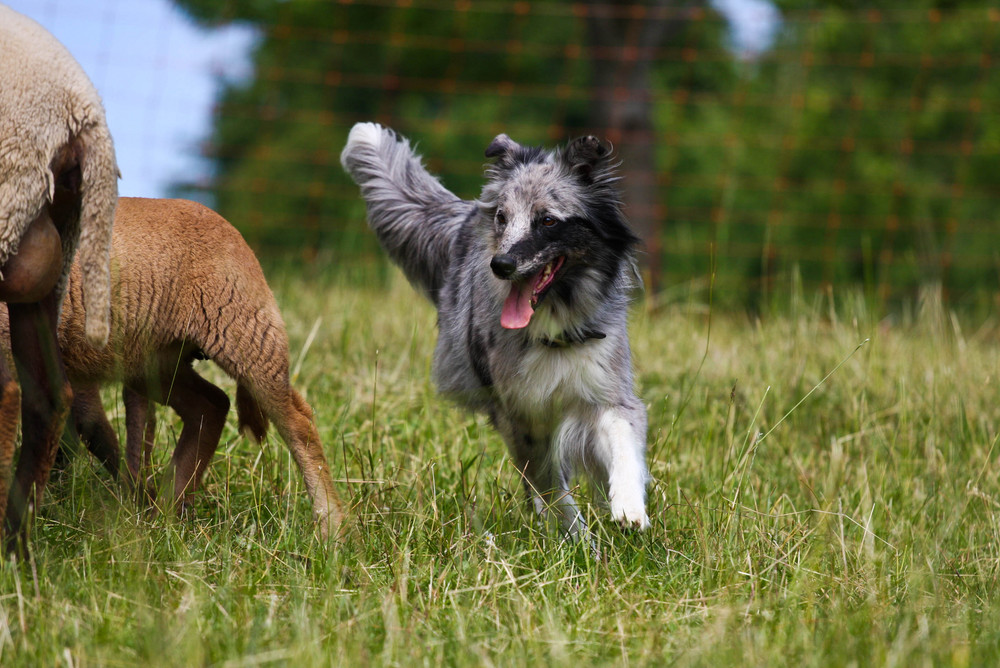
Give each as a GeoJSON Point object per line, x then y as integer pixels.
{"type": "Point", "coordinates": [415, 217]}
{"type": "Point", "coordinates": [251, 419]}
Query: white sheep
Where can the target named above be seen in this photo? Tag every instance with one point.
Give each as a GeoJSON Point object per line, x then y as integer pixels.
{"type": "Point", "coordinates": [58, 190]}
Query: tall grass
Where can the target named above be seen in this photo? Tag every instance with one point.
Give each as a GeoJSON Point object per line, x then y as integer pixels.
{"type": "Point", "coordinates": [856, 527]}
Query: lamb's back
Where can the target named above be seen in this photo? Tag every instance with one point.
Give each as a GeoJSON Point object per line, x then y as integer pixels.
{"type": "Point", "coordinates": [179, 273]}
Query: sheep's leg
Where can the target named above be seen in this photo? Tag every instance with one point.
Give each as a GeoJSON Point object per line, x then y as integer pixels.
{"type": "Point", "coordinates": [33, 300]}
{"type": "Point", "coordinates": [140, 428]}
{"type": "Point", "coordinates": [10, 408]}
{"type": "Point", "coordinates": [45, 403]}
{"type": "Point", "coordinates": [293, 420]}
{"type": "Point", "coordinates": [93, 427]}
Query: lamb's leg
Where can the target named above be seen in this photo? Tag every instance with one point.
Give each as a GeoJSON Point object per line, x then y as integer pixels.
{"type": "Point", "coordinates": [93, 427]}
{"type": "Point", "coordinates": [293, 419]}
{"type": "Point", "coordinates": [45, 403]}
{"type": "Point", "coordinates": [140, 428]}
{"type": "Point", "coordinates": [202, 408]}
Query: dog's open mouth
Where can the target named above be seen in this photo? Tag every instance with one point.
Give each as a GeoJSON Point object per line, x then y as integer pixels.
{"type": "Point", "coordinates": [525, 295]}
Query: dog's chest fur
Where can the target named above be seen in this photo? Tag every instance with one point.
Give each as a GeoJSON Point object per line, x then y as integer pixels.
{"type": "Point", "coordinates": [547, 381]}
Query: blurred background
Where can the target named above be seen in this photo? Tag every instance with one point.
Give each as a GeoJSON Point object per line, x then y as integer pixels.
{"type": "Point", "coordinates": [777, 146]}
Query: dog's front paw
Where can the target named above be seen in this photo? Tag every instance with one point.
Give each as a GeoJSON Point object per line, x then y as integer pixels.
{"type": "Point", "coordinates": [630, 513]}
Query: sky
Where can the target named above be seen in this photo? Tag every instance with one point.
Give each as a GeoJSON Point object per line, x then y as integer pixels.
{"type": "Point", "coordinates": [753, 25]}
{"type": "Point", "coordinates": [158, 74]}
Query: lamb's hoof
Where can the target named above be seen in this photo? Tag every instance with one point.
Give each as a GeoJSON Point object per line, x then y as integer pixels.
{"type": "Point", "coordinates": [185, 507]}
{"type": "Point", "coordinates": [147, 492]}
{"type": "Point", "coordinates": [142, 493]}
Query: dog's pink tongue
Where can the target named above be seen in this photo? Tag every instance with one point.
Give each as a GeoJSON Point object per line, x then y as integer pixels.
{"type": "Point", "coordinates": [517, 309]}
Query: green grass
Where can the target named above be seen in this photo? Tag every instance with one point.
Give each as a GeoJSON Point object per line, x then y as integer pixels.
{"type": "Point", "coordinates": [860, 530]}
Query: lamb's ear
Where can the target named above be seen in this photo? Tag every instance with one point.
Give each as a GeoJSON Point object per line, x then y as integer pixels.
{"type": "Point", "coordinates": [501, 145]}
{"type": "Point", "coordinates": [584, 154]}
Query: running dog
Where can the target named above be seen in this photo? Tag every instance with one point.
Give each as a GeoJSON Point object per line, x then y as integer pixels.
{"type": "Point", "coordinates": [531, 284]}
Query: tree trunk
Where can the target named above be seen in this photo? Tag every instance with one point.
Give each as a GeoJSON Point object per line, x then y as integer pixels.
{"type": "Point", "coordinates": [622, 40]}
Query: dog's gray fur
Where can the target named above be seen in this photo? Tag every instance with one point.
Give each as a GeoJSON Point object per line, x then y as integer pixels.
{"type": "Point", "coordinates": [559, 386]}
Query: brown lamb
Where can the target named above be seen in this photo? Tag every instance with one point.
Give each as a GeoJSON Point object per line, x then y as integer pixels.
{"type": "Point", "coordinates": [186, 286]}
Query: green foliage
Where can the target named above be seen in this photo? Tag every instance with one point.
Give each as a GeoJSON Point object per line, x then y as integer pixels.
{"type": "Point", "coordinates": [860, 151]}
{"type": "Point", "coordinates": [859, 530]}
{"type": "Point", "coordinates": [319, 67]}
{"type": "Point", "coordinates": [854, 153]}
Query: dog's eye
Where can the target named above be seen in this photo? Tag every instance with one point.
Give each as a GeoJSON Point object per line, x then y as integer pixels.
{"type": "Point", "coordinates": [501, 219]}
{"type": "Point", "coordinates": [549, 221]}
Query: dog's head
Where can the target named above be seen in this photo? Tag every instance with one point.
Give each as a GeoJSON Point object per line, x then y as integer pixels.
{"type": "Point", "coordinates": [555, 220]}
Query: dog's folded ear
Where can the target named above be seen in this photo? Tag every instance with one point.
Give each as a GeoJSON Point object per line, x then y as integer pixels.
{"type": "Point", "coordinates": [586, 152]}
{"type": "Point", "coordinates": [501, 145]}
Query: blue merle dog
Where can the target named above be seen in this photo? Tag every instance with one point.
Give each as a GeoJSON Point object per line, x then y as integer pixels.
{"type": "Point", "coordinates": [531, 284]}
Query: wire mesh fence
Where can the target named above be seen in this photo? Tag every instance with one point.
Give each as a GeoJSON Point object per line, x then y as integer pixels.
{"type": "Point", "coordinates": [860, 147]}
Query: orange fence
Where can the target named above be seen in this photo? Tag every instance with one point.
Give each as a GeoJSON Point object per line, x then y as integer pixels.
{"type": "Point", "coordinates": [860, 147]}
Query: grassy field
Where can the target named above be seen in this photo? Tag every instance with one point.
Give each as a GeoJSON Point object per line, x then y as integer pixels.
{"type": "Point", "coordinates": [796, 521]}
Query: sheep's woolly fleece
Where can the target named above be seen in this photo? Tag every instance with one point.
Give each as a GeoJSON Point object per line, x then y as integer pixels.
{"type": "Point", "coordinates": [47, 103]}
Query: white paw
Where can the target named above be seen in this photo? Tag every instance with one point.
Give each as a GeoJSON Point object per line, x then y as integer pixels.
{"type": "Point", "coordinates": [629, 511]}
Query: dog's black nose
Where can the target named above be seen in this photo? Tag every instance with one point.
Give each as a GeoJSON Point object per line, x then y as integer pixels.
{"type": "Point", "coordinates": [503, 266]}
